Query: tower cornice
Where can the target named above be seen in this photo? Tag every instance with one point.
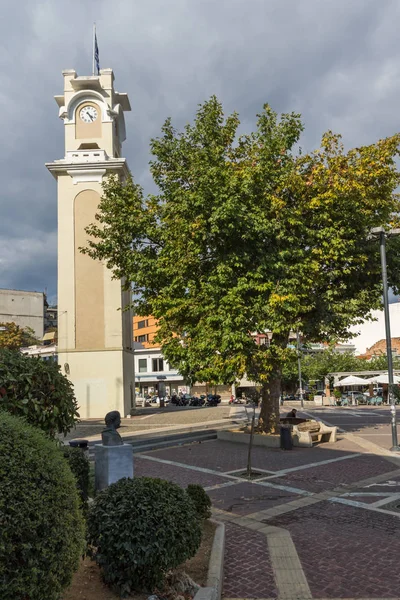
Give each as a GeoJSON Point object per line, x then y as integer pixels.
{"type": "Point", "coordinates": [70, 167]}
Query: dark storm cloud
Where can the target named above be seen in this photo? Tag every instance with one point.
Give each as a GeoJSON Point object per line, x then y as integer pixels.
{"type": "Point", "coordinates": [336, 62]}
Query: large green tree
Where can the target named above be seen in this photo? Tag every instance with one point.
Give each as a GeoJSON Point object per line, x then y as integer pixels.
{"type": "Point", "coordinates": [316, 366]}
{"type": "Point", "coordinates": [245, 235]}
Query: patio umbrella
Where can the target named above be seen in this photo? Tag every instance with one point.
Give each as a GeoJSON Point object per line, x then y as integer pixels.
{"type": "Point", "coordinates": [384, 378]}
{"type": "Point", "coordinates": [351, 380]}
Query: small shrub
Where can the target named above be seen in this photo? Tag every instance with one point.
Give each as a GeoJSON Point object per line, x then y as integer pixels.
{"type": "Point", "coordinates": [41, 525]}
{"type": "Point", "coordinates": [140, 529]}
{"type": "Point", "coordinates": [79, 466]}
{"type": "Point", "coordinates": [200, 499]}
{"type": "Point", "coordinates": [37, 390]}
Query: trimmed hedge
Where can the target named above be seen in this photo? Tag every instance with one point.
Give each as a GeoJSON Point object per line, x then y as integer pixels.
{"type": "Point", "coordinates": [37, 390]}
{"type": "Point", "coordinates": [79, 465]}
{"type": "Point", "coordinates": [41, 525]}
{"type": "Point", "coordinates": [200, 499]}
{"type": "Point", "coordinates": [140, 529]}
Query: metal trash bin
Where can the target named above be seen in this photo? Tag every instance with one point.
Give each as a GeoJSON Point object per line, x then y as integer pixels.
{"type": "Point", "coordinates": [286, 437]}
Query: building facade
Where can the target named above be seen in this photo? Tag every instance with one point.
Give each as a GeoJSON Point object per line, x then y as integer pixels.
{"type": "Point", "coordinates": [95, 346]}
{"type": "Point", "coordinates": [144, 330]}
{"type": "Point", "coordinates": [154, 376]}
{"type": "Point", "coordinates": [50, 318]}
{"type": "Point", "coordinates": [48, 352]}
{"type": "Point", "coordinates": [25, 309]}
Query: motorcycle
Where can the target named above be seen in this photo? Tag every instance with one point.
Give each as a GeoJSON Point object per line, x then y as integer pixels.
{"type": "Point", "coordinates": [195, 401]}
{"type": "Point", "coordinates": [213, 400]}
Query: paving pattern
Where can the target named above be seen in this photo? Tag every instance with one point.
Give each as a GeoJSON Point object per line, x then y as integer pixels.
{"type": "Point", "coordinates": [345, 552]}
{"type": "Point", "coordinates": [147, 468]}
{"type": "Point", "coordinates": [245, 498]}
{"type": "Point", "coordinates": [320, 522]}
{"type": "Point", "coordinates": [247, 567]}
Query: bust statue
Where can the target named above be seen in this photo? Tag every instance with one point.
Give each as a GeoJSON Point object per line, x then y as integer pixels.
{"type": "Point", "coordinates": [110, 435]}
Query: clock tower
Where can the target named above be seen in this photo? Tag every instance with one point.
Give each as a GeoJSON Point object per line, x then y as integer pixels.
{"type": "Point", "coordinates": [95, 345]}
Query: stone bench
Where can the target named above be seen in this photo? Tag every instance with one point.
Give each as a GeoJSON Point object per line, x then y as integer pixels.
{"type": "Point", "coordinates": [312, 432]}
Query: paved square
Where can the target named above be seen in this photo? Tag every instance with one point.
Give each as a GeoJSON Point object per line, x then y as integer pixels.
{"type": "Point", "coordinates": [329, 476]}
{"type": "Point", "coordinates": [149, 468]}
{"type": "Point", "coordinates": [346, 552]}
{"type": "Point", "coordinates": [246, 498]}
{"type": "Point", "coordinates": [304, 545]}
{"type": "Point", "coordinates": [247, 567]}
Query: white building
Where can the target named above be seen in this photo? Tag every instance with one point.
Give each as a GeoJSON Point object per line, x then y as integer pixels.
{"type": "Point", "coordinates": [25, 309]}
{"type": "Point", "coordinates": [153, 374]}
{"type": "Point", "coordinates": [44, 352]}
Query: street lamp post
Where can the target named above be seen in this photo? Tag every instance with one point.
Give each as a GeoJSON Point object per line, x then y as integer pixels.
{"type": "Point", "coordinates": [299, 368]}
{"type": "Point", "coordinates": [382, 245]}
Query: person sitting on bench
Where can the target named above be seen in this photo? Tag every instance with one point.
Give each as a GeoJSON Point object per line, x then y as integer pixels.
{"type": "Point", "coordinates": [292, 414]}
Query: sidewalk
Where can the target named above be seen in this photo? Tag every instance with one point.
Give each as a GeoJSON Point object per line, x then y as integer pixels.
{"type": "Point", "coordinates": [318, 523]}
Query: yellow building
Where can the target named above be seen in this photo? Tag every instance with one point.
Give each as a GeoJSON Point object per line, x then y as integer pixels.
{"type": "Point", "coordinates": [95, 346]}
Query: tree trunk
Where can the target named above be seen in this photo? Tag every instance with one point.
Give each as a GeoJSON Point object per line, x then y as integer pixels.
{"type": "Point", "coordinates": [269, 415]}
{"type": "Point", "coordinates": [268, 421]}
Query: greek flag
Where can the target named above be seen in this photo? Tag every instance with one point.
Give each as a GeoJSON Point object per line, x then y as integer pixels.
{"type": "Point", "coordinates": [96, 54]}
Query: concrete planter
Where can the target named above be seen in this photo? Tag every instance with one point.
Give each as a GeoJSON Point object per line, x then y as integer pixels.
{"type": "Point", "coordinates": [269, 441]}
{"type": "Point", "coordinates": [213, 590]}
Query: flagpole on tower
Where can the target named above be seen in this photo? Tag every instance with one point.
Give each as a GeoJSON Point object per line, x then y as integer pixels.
{"type": "Point", "coordinates": [94, 47]}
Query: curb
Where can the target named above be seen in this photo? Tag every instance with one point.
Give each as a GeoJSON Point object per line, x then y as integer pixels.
{"type": "Point", "coordinates": [270, 441]}
{"type": "Point", "coordinates": [164, 431]}
{"type": "Point", "coordinates": [215, 577]}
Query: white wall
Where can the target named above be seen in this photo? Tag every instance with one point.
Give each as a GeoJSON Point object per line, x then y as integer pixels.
{"type": "Point", "coordinates": [371, 332]}
{"type": "Point", "coordinates": [26, 309]}
{"type": "Point", "coordinates": [98, 380]}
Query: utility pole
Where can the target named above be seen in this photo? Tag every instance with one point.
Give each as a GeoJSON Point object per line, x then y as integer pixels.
{"type": "Point", "coordinates": [299, 367]}
{"type": "Point", "coordinates": [391, 400]}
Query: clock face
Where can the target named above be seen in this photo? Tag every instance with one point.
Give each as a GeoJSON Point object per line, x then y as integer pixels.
{"type": "Point", "coordinates": [88, 114]}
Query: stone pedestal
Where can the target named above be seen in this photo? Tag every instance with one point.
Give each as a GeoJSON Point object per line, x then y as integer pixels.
{"type": "Point", "coordinates": [112, 463]}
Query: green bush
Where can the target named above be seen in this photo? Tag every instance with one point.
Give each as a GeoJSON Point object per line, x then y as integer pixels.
{"type": "Point", "coordinates": [37, 390]}
{"type": "Point", "coordinates": [41, 525]}
{"type": "Point", "coordinates": [79, 466]}
{"type": "Point", "coordinates": [140, 529]}
{"type": "Point", "coordinates": [201, 500]}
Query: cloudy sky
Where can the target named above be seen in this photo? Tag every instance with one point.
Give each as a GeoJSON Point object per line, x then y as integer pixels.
{"type": "Point", "coordinates": [335, 61]}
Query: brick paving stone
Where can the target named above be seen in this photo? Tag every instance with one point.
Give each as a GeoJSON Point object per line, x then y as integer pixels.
{"type": "Point", "coordinates": [228, 456]}
{"type": "Point", "coordinates": [246, 498]}
{"type": "Point", "coordinates": [179, 475]}
{"type": "Point", "coordinates": [217, 455]}
{"type": "Point", "coordinates": [247, 567]}
{"type": "Point", "coordinates": [325, 477]}
{"type": "Point", "coordinates": [346, 552]}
